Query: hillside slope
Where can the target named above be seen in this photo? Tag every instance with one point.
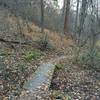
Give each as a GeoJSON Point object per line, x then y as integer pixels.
{"type": "Point", "coordinates": [18, 62]}
{"type": "Point", "coordinates": [9, 30]}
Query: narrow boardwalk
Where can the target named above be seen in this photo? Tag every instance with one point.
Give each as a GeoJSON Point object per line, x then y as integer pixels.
{"type": "Point", "coordinates": [40, 80]}
{"type": "Point", "coordinates": [42, 75]}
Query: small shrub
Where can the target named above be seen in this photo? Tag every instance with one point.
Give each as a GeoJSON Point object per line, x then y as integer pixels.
{"type": "Point", "coordinates": [32, 55]}
{"type": "Point", "coordinates": [23, 67]}
{"type": "Point", "coordinates": [3, 54]}
{"type": "Point", "coordinates": [86, 58]}
{"type": "Point", "coordinates": [59, 66]}
{"type": "Point", "coordinates": [60, 95]}
{"type": "Point", "coordinates": [45, 44]}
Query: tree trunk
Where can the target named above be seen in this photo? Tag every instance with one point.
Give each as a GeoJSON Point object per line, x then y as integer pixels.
{"type": "Point", "coordinates": [66, 29]}
{"type": "Point", "coordinates": [82, 17]}
{"type": "Point", "coordinates": [92, 39]}
{"type": "Point", "coordinates": [76, 19]}
{"type": "Point", "coordinates": [42, 16]}
{"type": "Point", "coordinates": [80, 27]}
{"type": "Point", "coordinates": [64, 8]}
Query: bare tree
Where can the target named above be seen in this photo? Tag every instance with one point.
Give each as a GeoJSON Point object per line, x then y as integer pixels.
{"type": "Point", "coordinates": [77, 13]}
{"type": "Point", "coordinates": [64, 7]}
{"type": "Point", "coordinates": [83, 14]}
{"type": "Point", "coordinates": [92, 37]}
{"type": "Point", "coordinates": [66, 17]}
{"type": "Point", "coordinates": [19, 28]}
{"type": "Point", "coordinates": [42, 16]}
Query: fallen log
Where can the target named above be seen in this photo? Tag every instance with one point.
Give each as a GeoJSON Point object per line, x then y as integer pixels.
{"type": "Point", "coordinates": [15, 42]}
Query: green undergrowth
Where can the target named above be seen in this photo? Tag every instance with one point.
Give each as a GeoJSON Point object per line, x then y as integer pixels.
{"type": "Point", "coordinates": [60, 95]}
{"type": "Point", "coordinates": [59, 66]}
{"type": "Point", "coordinates": [23, 67]}
{"type": "Point", "coordinates": [3, 53]}
{"type": "Point", "coordinates": [90, 58]}
{"type": "Point", "coordinates": [33, 55]}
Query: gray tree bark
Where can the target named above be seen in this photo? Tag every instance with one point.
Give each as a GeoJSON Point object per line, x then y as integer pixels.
{"type": "Point", "coordinates": [77, 13]}
{"type": "Point", "coordinates": [83, 14]}
{"type": "Point", "coordinates": [42, 16]}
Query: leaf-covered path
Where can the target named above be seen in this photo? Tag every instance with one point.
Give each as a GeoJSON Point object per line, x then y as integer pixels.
{"type": "Point", "coordinates": [41, 79]}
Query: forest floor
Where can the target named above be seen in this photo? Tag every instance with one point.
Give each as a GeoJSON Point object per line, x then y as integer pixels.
{"type": "Point", "coordinates": [16, 66]}
{"type": "Point", "coordinates": [18, 62]}
{"type": "Point", "coordinates": [70, 82]}
{"type": "Point", "coordinates": [77, 82]}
